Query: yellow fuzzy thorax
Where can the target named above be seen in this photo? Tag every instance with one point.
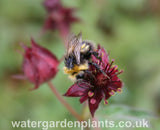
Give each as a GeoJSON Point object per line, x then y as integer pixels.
{"type": "Point", "coordinates": [76, 68]}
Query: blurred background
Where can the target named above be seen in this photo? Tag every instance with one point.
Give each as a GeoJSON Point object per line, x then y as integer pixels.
{"type": "Point", "coordinates": [128, 29]}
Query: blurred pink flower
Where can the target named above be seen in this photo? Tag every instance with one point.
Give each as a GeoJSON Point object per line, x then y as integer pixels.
{"type": "Point", "coordinates": [51, 5]}
{"type": "Point", "coordinates": [39, 64]}
{"type": "Point", "coordinates": [58, 17]}
{"type": "Point", "coordinates": [97, 85]}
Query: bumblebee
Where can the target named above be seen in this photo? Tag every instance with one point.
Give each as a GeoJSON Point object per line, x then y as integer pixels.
{"type": "Point", "coordinates": [78, 56]}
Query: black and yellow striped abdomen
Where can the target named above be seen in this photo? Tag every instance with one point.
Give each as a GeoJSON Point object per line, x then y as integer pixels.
{"type": "Point", "coordinates": [76, 70]}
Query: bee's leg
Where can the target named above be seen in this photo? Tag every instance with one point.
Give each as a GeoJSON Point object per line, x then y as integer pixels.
{"type": "Point", "coordinates": [80, 81]}
{"type": "Point", "coordinates": [97, 67]}
{"type": "Point", "coordinates": [90, 74]}
{"type": "Point", "coordinates": [80, 76]}
{"type": "Point", "coordinates": [96, 55]}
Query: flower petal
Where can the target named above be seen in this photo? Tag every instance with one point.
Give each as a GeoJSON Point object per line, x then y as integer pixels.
{"type": "Point", "coordinates": [49, 24]}
{"type": "Point", "coordinates": [94, 101]}
{"type": "Point", "coordinates": [84, 97]}
{"type": "Point", "coordinates": [104, 56]}
{"type": "Point", "coordinates": [116, 85]}
{"type": "Point", "coordinates": [77, 90]}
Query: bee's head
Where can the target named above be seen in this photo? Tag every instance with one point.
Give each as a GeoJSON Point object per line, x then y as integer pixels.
{"type": "Point", "coordinates": [69, 62]}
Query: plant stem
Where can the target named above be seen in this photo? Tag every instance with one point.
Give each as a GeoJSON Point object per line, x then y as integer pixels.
{"type": "Point", "coordinates": [62, 58]}
{"type": "Point", "coordinates": [60, 98]}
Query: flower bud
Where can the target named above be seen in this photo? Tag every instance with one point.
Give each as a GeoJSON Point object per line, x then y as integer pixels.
{"type": "Point", "coordinates": [39, 64]}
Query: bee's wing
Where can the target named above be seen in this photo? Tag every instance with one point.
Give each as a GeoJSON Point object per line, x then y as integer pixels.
{"type": "Point", "coordinates": [71, 44]}
{"type": "Point", "coordinates": [79, 36]}
{"type": "Point", "coordinates": [77, 48]}
{"type": "Point", "coordinates": [74, 46]}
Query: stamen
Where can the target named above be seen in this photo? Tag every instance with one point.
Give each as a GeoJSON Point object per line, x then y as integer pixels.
{"type": "Point", "coordinates": [105, 102]}
{"type": "Point", "coordinates": [119, 90]}
{"type": "Point", "coordinates": [90, 94]}
{"type": "Point", "coordinates": [92, 101]}
{"type": "Point", "coordinates": [120, 72]}
{"type": "Point", "coordinates": [117, 73]}
{"type": "Point", "coordinates": [112, 93]}
{"type": "Point", "coordinates": [115, 67]}
{"type": "Point", "coordinates": [112, 88]}
{"type": "Point", "coordinates": [106, 67]}
{"type": "Point", "coordinates": [110, 64]}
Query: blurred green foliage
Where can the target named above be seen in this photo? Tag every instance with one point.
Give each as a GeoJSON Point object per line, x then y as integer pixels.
{"type": "Point", "coordinates": [129, 31]}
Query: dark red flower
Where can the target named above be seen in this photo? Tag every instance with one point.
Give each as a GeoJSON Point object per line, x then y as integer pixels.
{"type": "Point", "coordinates": [51, 5]}
{"type": "Point", "coordinates": [58, 17]}
{"type": "Point", "coordinates": [98, 84]}
{"type": "Point", "coordinates": [39, 64]}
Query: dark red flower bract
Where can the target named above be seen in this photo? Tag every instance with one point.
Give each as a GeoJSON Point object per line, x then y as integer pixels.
{"type": "Point", "coordinates": [97, 85]}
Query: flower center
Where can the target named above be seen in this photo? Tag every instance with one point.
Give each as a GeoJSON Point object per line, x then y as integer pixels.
{"type": "Point", "coordinates": [101, 80]}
